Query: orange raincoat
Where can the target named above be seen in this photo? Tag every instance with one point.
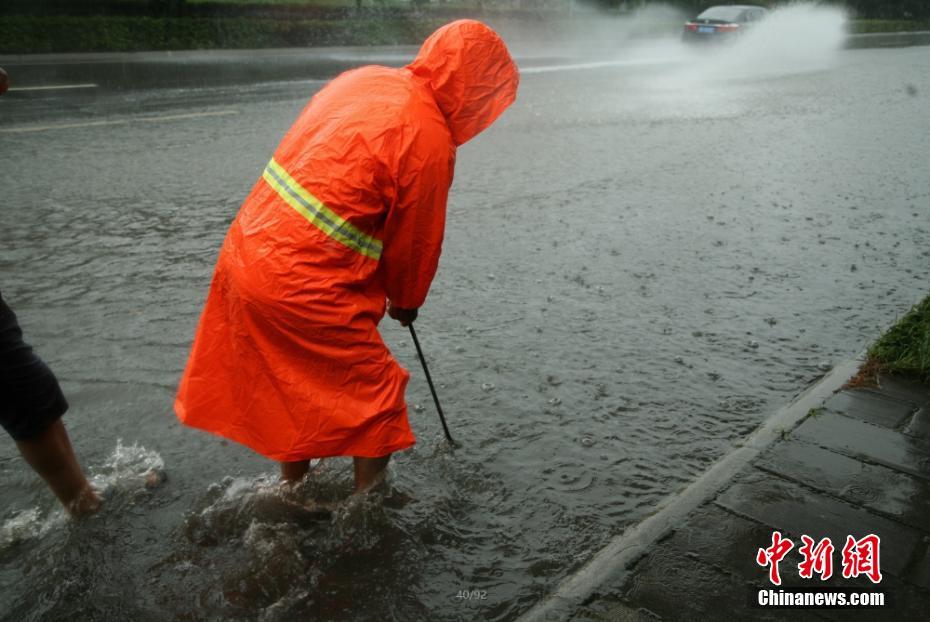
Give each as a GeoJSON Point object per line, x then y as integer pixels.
{"type": "Point", "coordinates": [349, 212]}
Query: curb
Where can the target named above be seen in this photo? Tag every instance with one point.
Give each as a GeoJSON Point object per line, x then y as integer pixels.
{"type": "Point", "coordinates": [887, 39]}
{"type": "Point", "coordinates": [612, 563]}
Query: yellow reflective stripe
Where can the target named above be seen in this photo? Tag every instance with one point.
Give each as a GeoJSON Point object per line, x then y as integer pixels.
{"type": "Point", "coordinates": [320, 216]}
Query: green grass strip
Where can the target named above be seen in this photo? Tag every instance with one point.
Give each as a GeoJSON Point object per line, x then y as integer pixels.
{"type": "Point", "coordinates": [871, 26]}
{"type": "Point", "coordinates": [33, 34]}
{"type": "Point", "coordinates": [905, 348]}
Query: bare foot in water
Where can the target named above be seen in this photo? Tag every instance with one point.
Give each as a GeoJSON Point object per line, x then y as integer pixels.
{"type": "Point", "coordinates": [50, 454]}
{"type": "Point", "coordinates": [369, 472]}
{"type": "Point", "coordinates": [86, 502]}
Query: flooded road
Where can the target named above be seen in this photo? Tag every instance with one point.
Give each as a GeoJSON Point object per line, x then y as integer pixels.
{"type": "Point", "coordinates": [645, 258]}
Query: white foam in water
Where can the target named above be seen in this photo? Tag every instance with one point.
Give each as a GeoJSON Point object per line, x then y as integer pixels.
{"type": "Point", "coordinates": [29, 524]}
{"type": "Point", "coordinates": [238, 488]}
{"type": "Point", "coordinates": [129, 467]}
{"type": "Point", "coordinates": [280, 609]}
{"type": "Point", "coordinates": [231, 505]}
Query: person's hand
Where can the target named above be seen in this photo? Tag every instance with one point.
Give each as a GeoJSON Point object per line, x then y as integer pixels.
{"type": "Point", "coordinates": [404, 316]}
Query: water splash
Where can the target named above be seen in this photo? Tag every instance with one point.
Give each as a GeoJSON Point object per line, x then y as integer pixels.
{"type": "Point", "coordinates": [130, 468]}
{"type": "Point", "coordinates": [322, 501]}
{"type": "Point", "coordinates": [28, 525]}
{"type": "Point", "coordinates": [230, 507]}
{"type": "Point", "coordinates": [266, 542]}
{"type": "Point", "coordinates": [798, 38]}
{"type": "Point", "coordinates": [717, 81]}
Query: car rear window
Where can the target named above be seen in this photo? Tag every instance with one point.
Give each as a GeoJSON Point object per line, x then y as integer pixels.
{"type": "Point", "coordinates": [726, 13]}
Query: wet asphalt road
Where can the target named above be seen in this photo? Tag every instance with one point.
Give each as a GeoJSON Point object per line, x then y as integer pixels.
{"type": "Point", "coordinates": [645, 257]}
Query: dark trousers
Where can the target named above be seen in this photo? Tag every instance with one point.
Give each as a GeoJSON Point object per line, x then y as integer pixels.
{"type": "Point", "coordinates": [30, 397]}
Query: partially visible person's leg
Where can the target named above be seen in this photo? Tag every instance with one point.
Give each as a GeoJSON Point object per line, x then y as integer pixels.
{"type": "Point", "coordinates": [31, 406]}
{"type": "Point", "coordinates": [51, 456]}
{"type": "Point", "coordinates": [294, 471]}
{"type": "Point", "coordinates": [369, 472]}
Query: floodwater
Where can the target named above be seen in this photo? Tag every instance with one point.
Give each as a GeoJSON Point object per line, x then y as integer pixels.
{"type": "Point", "coordinates": [645, 257]}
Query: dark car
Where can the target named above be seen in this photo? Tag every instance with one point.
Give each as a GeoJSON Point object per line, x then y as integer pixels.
{"type": "Point", "coordinates": [723, 22]}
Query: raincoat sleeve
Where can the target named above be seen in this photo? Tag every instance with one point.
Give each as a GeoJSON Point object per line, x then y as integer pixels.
{"type": "Point", "coordinates": [414, 227]}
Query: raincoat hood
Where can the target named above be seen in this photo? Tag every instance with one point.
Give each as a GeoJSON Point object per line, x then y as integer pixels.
{"type": "Point", "coordinates": [471, 74]}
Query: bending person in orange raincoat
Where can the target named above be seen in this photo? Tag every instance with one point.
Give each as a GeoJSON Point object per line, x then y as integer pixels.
{"type": "Point", "coordinates": [346, 221]}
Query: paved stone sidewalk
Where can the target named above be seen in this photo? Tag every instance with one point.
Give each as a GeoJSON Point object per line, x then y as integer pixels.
{"type": "Point", "coordinates": [859, 464]}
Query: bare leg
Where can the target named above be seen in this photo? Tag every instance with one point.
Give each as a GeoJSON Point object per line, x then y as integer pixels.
{"type": "Point", "coordinates": [51, 456]}
{"type": "Point", "coordinates": [369, 471]}
{"type": "Point", "coordinates": [294, 471]}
